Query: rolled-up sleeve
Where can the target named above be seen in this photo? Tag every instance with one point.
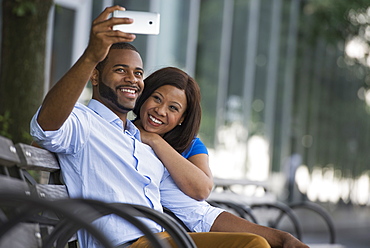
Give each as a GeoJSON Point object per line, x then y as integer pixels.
{"type": "Point", "coordinates": [198, 216]}
{"type": "Point", "coordinates": [69, 138]}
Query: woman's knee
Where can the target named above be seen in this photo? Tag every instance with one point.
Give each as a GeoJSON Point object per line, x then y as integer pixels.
{"type": "Point", "coordinates": [260, 242]}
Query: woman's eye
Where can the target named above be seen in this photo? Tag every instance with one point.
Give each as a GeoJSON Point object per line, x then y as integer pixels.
{"type": "Point", "coordinates": [174, 108]}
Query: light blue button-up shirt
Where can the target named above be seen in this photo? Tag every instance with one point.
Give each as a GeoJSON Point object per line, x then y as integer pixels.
{"type": "Point", "coordinates": [100, 159]}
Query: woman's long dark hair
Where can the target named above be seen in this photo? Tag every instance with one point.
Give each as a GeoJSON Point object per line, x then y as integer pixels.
{"type": "Point", "coordinates": [181, 136]}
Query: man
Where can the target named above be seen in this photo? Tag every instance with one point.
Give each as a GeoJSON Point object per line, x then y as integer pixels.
{"type": "Point", "coordinates": [102, 157]}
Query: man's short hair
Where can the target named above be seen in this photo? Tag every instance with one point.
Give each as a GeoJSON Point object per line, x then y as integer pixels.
{"type": "Point", "coordinates": [120, 45]}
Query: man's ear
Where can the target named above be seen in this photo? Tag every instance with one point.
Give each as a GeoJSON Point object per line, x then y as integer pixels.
{"type": "Point", "coordinates": [94, 77]}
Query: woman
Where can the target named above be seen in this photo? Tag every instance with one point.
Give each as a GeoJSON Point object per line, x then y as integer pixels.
{"type": "Point", "coordinates": [168, 116]}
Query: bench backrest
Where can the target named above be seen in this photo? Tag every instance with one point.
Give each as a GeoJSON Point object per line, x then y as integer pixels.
{"type": "Point", "coordinates": [12, 180]}
{"type": "Point", "coordinates": [17, 160]}
{"type": "Point", "coordinates": [15, 163]}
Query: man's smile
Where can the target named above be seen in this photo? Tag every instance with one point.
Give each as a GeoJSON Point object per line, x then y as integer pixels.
{"type": "Point", "coordinates": [131, 92]}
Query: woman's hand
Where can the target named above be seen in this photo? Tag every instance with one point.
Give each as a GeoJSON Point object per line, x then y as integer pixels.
{"type": "Point", "coordinates": [147, 137]}
{"type": "Point", "coordinates": [192, 175]}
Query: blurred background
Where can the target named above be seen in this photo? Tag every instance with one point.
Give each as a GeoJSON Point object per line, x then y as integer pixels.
{"type": "Point", "coordinates": [285, 84]}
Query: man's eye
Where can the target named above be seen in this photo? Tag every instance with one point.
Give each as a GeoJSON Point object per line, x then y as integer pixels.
{"type": "Point", "coordinates": [139, 73]}
{"type": "Point", "coordinates": [120, 70]}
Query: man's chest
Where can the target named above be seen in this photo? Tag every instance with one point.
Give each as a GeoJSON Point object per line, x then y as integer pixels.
{"type": "Point", "coordinates": [123, 152]}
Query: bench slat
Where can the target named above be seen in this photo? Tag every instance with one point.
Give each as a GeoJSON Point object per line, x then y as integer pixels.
{"type": "Point", "coordinates": [13, 185]}
{"type": "Point", "coordinates": [50, 191]}
{"type": "Point", "coordinates": [34, 158]}
{"type": "Point", "coordinates": [8, 153]}
{"type": "Point", "coordinates": [24, 235]}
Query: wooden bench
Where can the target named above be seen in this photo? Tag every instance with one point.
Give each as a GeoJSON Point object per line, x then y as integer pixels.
{"type": "Point", "coordinates": [42, 214]}
{"type": "Point", "coordinates": [16, 165]}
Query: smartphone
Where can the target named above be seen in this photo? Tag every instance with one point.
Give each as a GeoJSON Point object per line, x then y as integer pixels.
{"type": "Point", "coordinates": [144, 22]}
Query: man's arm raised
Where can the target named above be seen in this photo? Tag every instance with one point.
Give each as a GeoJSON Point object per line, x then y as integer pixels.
{"type": "Point", "coordinates": [61, 99]}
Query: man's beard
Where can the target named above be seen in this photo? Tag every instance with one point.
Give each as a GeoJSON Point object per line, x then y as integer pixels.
{"type": "Point", "coordinates": [110, 95]}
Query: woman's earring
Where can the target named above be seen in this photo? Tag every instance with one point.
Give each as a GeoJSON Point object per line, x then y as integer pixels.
{"type": "Point", "coordinates": [180, 124]}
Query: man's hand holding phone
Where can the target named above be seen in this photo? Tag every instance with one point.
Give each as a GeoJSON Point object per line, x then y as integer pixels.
{"type": "Point", "coordinates": [102, 36]}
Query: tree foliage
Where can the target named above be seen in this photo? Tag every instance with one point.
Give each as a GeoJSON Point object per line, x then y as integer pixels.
{"type": "Point", "coordinates": [22, 64]}
{"type": "Point", "coordinates": [334, 79]}
{"type": "Point", "coordinates": [339, 21]}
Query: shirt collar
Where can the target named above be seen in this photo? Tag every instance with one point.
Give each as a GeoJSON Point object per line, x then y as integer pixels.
{"type": "Point", "coordinates": [112, 118]}
{"type": "Point", "coordinates": [102, 110]}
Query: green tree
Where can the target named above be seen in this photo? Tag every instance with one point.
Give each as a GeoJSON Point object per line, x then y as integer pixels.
{"type": "Point", "coordinates": [334, 84]}
{"type": "Point", "coordinates": [22, 64]}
